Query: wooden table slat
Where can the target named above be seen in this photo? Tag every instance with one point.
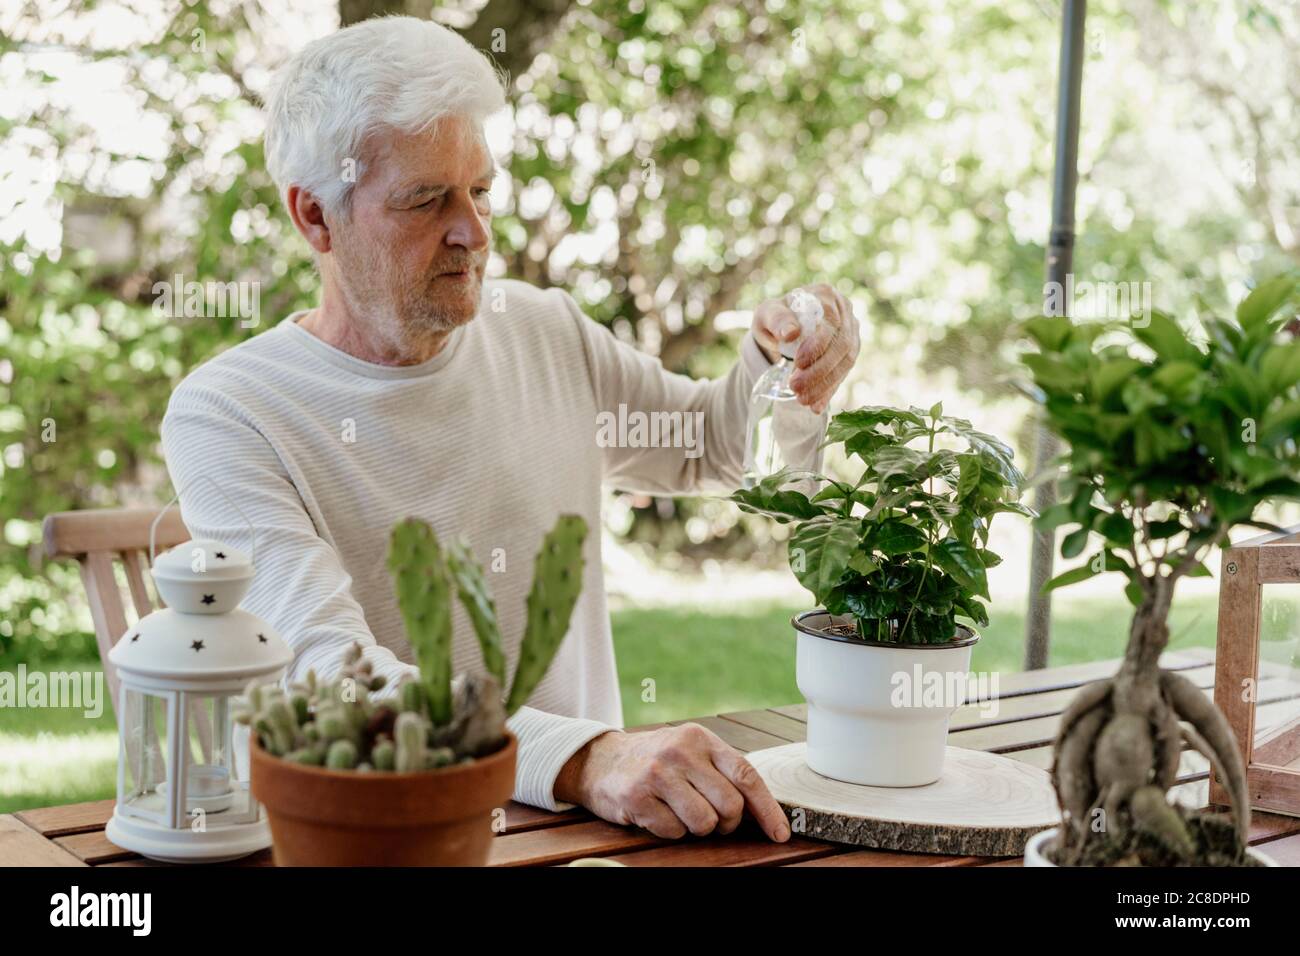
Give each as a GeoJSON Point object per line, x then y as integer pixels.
{"type": "Point", "coordinates": [567, 843]}
{"type": "Point", "coordinates": [73, 818]}
{"type": "Point", "coordinates": [736, 849]}
{"type": "Point", "coordinates": [521, 817]}
{"type": "Point", "coordinates": [20, 845]}
{"type": "Point", "coordinates": [890, 858]}
{"type": "Point", "coordinates": [93, 847]}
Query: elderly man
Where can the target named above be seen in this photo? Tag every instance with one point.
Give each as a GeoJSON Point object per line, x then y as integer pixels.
{"type": "Point", "coordinates": [417, 388]}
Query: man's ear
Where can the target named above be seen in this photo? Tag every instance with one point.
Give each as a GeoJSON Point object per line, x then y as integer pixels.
{"type": "Point", "coordinates": [309, 217]}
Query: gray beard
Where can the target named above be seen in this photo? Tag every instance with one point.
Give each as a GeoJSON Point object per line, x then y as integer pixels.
{"type": "Point", "coordinates": [402, 316]}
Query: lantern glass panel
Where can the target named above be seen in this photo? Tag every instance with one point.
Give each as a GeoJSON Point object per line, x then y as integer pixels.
{"type": "Point", "coordinates": [144, 757]}
{"type": "Point", "coordinates": [214, 792]}
{"type": "Point", "coordinates": [1277, 691]}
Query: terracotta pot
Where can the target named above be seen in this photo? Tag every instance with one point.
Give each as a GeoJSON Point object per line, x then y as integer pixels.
{"type": "Point", "coordinates": [323, 817]}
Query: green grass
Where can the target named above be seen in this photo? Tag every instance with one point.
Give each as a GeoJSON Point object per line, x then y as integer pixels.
{"type": "Point", "coordinates": [701, 661]}
{"type": "Point", "coordinates": [709, 661]}
{"type": "Point", "coordinates": [56, 755]}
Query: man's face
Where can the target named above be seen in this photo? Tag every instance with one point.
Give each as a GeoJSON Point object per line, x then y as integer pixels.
{"type": "Point", "coordinates": [414, 251]}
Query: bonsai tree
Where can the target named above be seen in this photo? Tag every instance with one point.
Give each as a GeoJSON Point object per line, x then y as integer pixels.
{"type": "Point", "coordinates": [904, 548]}
{"type": "Point", "coordinates": [1173, 441]}
{"type": "Point", "coordinates": [343, 724]}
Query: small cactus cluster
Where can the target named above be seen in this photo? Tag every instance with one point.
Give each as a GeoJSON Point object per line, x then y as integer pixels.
{"type": "Point", "coordinates": [339, 725]}
{"type": "Point", "coordinates": [431, 722]}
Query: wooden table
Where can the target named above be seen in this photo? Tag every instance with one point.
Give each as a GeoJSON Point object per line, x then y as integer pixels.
{"type": "Point", "coordinates": [1030, 704]}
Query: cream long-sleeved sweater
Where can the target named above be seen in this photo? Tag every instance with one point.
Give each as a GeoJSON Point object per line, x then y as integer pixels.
{"type": "Point", "coordinates": [520, 417]}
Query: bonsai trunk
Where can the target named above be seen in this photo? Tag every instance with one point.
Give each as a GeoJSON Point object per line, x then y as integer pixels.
{"type": "Point", "coordinates": [1117, 755]}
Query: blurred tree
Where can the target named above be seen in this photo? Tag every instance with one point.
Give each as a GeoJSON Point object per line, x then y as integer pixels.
{"type": "Point", "coordinates": [671, 162]}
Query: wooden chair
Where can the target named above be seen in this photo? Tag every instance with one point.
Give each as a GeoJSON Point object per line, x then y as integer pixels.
{"type": "Point", "coordinates": [100, 541]}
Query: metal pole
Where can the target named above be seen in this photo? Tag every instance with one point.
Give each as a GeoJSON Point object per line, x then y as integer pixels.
{"type": "Point", "coordinates": [1060, 260]}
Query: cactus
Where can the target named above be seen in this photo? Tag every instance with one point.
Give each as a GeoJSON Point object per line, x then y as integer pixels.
{"type": "Point", "coordinates": [341, 724]}
{"type": "Point", "coordinates": [424, 597]}
{"type": "Point", "coordinates": [557, 581]}
{"type": "Point", "coordinates": [410, 735]}
{"type": "Point", "coordinates": [342, 755]}
{"type": "Point", "coordinates": [311, 756]}
{"type": "Point", "coordinates": [331, 724]}
{"type": "Point", "coordinates": [283, 724]}
{"type": "Point", "coordinates": [478, 603]}
{"type": "Point", "coordinates": [384, 755]}
{"type": "Point", "coordinates": [413, 697]}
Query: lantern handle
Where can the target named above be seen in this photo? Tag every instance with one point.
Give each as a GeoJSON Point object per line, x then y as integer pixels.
{"type": "Point", "coordinates": [252, 532]}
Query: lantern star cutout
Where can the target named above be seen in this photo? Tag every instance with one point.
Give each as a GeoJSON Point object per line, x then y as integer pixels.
{"type": "Point", "coordinates": [209, 599]}
{"type": "Point", "coordinates": [261, 638]}
{"type": "Point", "coordinates": [221, 555]}
{"type": "Point", "coordinates": [197, 645]}
{"type": "Point", "coordinates": [134, 638]}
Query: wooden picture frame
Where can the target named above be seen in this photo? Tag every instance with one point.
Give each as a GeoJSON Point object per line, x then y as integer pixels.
{"type": "Point", "coordinates": [1272, 558]}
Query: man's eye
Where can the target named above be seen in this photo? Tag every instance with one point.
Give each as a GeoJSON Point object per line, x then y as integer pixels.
{"type": "Point", "coordinates": [482, 190]}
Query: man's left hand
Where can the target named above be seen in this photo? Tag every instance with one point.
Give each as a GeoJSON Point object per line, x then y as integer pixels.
{"type": "Point", "coordinates": [824, 359]}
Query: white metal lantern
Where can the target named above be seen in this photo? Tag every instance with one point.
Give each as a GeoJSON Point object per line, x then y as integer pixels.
{"type": "Point", "coordinates": [179, 667]}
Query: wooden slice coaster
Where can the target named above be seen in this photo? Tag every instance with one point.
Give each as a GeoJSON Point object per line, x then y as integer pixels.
{"type": "Point", "coordinates": [984, 805]}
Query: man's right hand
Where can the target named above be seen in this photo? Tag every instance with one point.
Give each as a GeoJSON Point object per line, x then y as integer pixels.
{"type": "Point", "coordinates": [670, 781]}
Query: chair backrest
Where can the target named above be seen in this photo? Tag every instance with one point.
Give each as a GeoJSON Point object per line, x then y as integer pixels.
{"type": "Point", "coordinates": [101, 541]}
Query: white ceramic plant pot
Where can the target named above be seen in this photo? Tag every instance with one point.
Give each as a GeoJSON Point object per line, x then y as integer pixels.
{"type": "Point", "coordinates": [1040, 842]}
{"type": "Point", "coordinates": [870, 718]}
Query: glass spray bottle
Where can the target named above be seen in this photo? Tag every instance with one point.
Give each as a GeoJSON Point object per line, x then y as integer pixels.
{"type": "Point", "coordinates": [772, 403]}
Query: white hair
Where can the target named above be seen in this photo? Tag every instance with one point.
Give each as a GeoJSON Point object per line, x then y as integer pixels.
{"type": "Point", "coordinates": [401, 73]}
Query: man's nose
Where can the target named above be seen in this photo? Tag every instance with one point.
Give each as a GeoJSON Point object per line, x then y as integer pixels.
{"type": "Point", "coordinates": [467, 227]}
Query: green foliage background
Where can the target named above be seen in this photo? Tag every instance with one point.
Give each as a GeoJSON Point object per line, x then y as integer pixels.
{"type": "Point", "coordinates": [721, 151]}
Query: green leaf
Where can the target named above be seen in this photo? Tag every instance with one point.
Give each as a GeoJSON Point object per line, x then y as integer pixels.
{"type": "Point", "coordinates": [1050, 332]}
{"type": "Point", "coordinates": [1160, 530]}
{"type": "Point", "coordinates": [770, 498]}
{"type": "Point", "coordinates": [1265, 300]}
{"type": "Point", "coordinates": [1117, 529]}
{"type": "Point", "coordinates": [1074, 543]}
{"type": "Point", "coordinates": [1280, 422]}
{"type": "Point", "coordinates": [1053, 375]}
{"type": "Point", "coordinates": [1073, 576]}
{"type": "Point", "coordinates": [1176, 379]}
{"type": "Point", "coordinates": [863, 563]}
{"type": "Point", "coordinates": [1054, 516]}
{"type": "Point", "coordinates": [897, 537]}
{"type": "Point", "coordinates": [963, 563]}
{"type": "Point", "coordinates": [896, 460]}
{"type": "Point", "coordinates": [820, 551]}
{"type": "Point", "coordinates": [969, 476]}
{"type": "Point", "coordinates": [1108, 376]}
{"type": "Point", "coordinates": [1168, 340]}
{"type": "Point", "coordinates": [1280, 367]}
